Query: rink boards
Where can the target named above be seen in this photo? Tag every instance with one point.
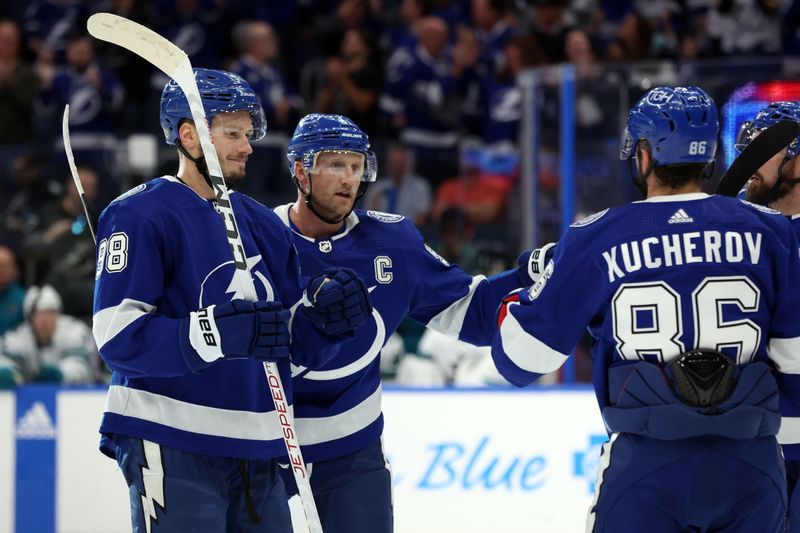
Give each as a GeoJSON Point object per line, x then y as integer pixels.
{"type": "Point", "coordinates": [462, 460]}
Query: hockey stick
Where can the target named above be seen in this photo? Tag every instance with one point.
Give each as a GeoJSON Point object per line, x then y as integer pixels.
{"type": "Point", "coordinates": [175, 63]}
{"type": "Point", "coordinates": [74, 170]}
{"type": "Point", "coordinates": [760, 150]}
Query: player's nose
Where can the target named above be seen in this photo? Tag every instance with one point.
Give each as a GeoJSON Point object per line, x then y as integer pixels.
{"type": "Point", "coordinates": [246, 147]}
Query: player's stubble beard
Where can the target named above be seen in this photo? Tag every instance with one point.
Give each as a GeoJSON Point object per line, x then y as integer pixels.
{"type": "Point", "coordinates": [234, 176]}
{"type": "Point", "coordinates": [332, 213]}
{"type": "Point", "coordinates": [758, 192]}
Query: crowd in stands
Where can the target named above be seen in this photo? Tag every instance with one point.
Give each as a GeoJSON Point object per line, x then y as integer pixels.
{"type": "Point", "coordinates": [433, 82]}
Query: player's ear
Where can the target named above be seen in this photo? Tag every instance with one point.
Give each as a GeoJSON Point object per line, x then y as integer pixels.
{"type": "Point", "coordinates": [300, 175]}
{"type": "Point", "coordinates": [642, 158]}
{"type": "Point", "coordinates": [187, 134]}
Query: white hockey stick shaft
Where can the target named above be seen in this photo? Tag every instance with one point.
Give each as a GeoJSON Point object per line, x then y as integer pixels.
{"type": "Point", "coordinates": [74, 171]}
{"type": "Point", "coordinates": [175, 63]}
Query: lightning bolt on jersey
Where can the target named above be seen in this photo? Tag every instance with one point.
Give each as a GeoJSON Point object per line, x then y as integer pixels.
{"type": "Point", "coordinates": [656, 278]}
{"type": "Point", "coordinates": [163, 253]}
{"type": "Point", "coordinates": [338, 407]}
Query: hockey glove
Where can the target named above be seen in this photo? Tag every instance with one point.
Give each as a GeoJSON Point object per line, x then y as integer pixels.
{"type": "Point", "coordinates": [517, 296]}
{"type": "Point", "coordinates": [531, 263]}
{"type": "Point", "coordinates": [337, 301]}
{"type": "Point", "coordinates": [238, 329]}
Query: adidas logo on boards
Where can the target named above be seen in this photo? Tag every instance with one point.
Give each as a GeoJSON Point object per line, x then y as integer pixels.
{"type": "Point", "coordinates": [679, 217]}
{"type": "Point", "coordinates": [36, 423]}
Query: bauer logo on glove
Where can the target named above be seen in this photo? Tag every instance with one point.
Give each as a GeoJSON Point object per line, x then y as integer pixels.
{"type": "Point", "coordinates": [238, 329]}
{"type": "Point", "coordinates": [207, 329]}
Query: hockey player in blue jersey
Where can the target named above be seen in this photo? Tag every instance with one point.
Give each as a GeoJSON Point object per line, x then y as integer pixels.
{"type": "Point", "coordinates": [693, 303]}
{"type": "Point", "coordinates": [338, 407]}
{"type": "Point", "coordinates": [189, 416]}
{"type": "Point", "coordinates": [775, 185]}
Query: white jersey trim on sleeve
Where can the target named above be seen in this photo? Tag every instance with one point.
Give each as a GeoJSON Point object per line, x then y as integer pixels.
{"type": "Point", "coordinates": [525, 350]}
{"type": "Point", "coordinates": [451, 320]}
{"type": "Point", "coordinates": [109, 322]}
{"type": "Point", "coordinates": [790, 430]}
{"type": "Point", "coordinates": [329, 428]}
{"type": "Point", "coordinates": [186, 416]}
{"type": "Point", "coordinates": [783, 353]}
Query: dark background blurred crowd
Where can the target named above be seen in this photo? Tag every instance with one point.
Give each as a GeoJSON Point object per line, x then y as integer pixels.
{"type": "Point", "coordinates": [433, 82]}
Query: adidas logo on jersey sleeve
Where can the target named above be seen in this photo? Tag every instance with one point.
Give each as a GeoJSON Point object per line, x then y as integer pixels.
{"type": "Point", "coordinates": [680, 217]}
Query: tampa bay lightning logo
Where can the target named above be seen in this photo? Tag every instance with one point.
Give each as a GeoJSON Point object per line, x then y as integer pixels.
{"type": "Point", "coordinates": [389, 218]}
{"type": "Point", "coordinates": [135, 190]}
{"type": "Point", "coordinates": [762, 208]}
{"type": "Point", "coordinates": [588, 220]}
{"type": "Point", "coordinates": [221, 283]}
{"type": "Point", "coordinates": [357, 364]}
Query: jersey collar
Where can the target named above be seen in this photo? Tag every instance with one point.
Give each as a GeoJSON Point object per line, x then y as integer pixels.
{"type": "Point", "coordinates": [349, 223]}
{"type": "Point", "coordinates": [174, 179]}
{"type": "Point", "coordinates": [676, 197]}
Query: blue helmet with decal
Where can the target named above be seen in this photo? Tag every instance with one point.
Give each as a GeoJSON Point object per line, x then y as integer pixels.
{"type": "Point", "coordinates": [318, 133]}
{"type": "Point", "coordinates": [772, 114]}
{"type": "Point", "coordinates": [221, 92]}
{"type": "Point", "coordinates": [679, 123]}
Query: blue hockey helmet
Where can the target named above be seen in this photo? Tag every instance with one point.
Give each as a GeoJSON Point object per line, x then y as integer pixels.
{"type": "Point", "coordinates": [680, 123]}
{"type": "Point", "coordinates": [772, 114]}
{"type": "Point", "coordinates": [318, 133]}
{"type": "Point", "coordinates": [221, 92]}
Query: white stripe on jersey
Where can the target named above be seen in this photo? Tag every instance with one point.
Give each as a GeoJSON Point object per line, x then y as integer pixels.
{"type": "Point", "coordinates": [525, 350]}
{"type": "Point", "coordinates": [357, 365]}
{"type": "Point", "coordinates": [451, 319]}
{"type": "Point", "coordinates": [174, 413]}
{"type": "Point", "coordinates": [109, 322]}
{"type": "Point", "coordinates": [785, 353]}
{"type": "Point", "coordinates": [324, 429]}
{"type": "Point", "coordinates": [790, 430]}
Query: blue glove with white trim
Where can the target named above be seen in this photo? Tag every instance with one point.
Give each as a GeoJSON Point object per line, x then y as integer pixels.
{"type": "Point", "coordinates": [337, 301]}
{"type": "Point", "coordinates": [531, 263]}
{"type": "Point", "coordinates": [239, 329]}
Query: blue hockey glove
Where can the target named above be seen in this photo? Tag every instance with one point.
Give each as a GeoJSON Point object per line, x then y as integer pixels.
{"type": "Point", "coordinates": [50, 374]}
{"type": "Point", "coordinates": [531, 263]}
{"type": "Point", "coordinates": [238, 329]}
{"type": "Point", "coordinates": [337, 301]}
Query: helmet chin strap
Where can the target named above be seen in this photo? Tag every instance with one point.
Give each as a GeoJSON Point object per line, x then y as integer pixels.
{"type": "Point", "coordinates": [309, 201]}
{"type": "Point", "coordinates": [200, 162]}
{"type": "Point", "coordinates": [774, 193]}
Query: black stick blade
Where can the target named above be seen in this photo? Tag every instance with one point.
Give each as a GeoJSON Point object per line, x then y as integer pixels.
{"type": "Point", "coordinates": [760, 150]}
